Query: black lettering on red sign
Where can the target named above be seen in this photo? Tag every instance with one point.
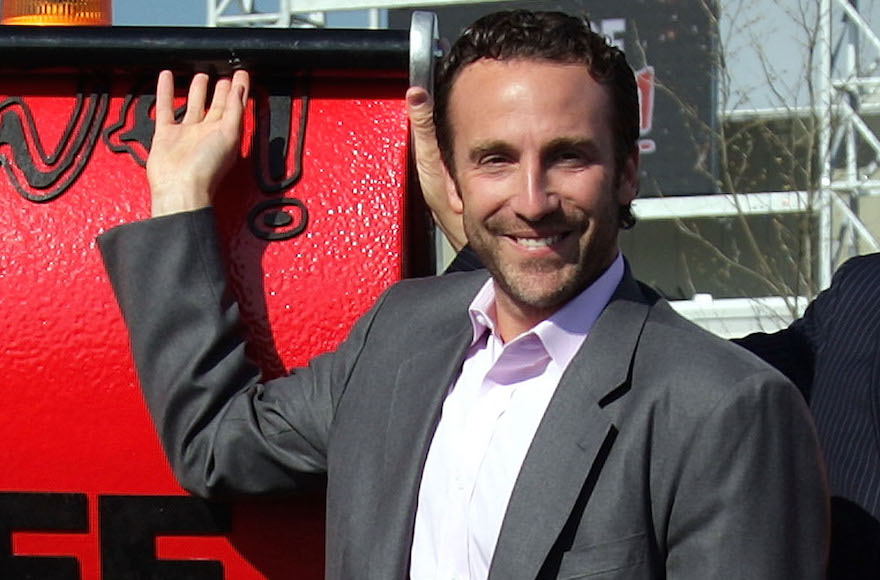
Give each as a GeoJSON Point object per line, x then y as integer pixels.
{"type": "Point", "coordinates": [130, 524]}
{"type": "Point", "coordinates": [40, 512]}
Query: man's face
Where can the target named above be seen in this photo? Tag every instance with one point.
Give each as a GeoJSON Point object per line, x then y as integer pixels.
{"type": "Point", "coordinates": [534, 171]}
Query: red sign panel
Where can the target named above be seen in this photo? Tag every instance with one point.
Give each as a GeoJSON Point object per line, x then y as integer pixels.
{"type": "Point", "coordinates": [312, 219]}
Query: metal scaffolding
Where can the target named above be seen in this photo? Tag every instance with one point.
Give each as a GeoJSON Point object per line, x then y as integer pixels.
{"type": "Point", "coordinates": [303, 13]}
{"type": "Point", "coordinates": [851, 53]}
{"type": "Point", "coordinates": [847, 113]}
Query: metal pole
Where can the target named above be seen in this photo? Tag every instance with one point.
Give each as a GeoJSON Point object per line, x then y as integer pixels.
{"type": "Point", "coordinates": [375, 21]}
{"type": "Point", "coordinates": [284, 13]}
{"type": "Point", "coordinates": [825, 199]}
{"type": "Point", "coordinates": [851, 72]}
{"type": "Point", "coordinates": [211, 12]}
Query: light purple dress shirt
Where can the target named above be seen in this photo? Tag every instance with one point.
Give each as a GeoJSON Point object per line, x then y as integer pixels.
{"type": "Point", "coordinates": [489, 419]}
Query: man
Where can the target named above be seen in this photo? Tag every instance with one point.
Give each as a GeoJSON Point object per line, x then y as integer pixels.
{"type": "Point", "coordinates": [557, 420]}
{"type": "Point", "coordinates": [830, 354]}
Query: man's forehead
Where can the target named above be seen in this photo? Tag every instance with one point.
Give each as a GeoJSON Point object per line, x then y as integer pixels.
{"type": "Point", "coordinates": [519, 62]}
{"type": "Point", "coordinates": [487, 85]}
{"type": "Point", "coordinates": [511, 69]}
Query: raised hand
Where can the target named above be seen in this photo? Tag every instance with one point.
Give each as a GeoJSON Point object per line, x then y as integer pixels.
{"type": "Point", "coordinates": [432, 173]}
{"type": "Point", "coordinates": [188, 159]}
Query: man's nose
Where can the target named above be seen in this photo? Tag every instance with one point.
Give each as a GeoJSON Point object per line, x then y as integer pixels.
{"type": "Point", "coordinates": [535, 196]}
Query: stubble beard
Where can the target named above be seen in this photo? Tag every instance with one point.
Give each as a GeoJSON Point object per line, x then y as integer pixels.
{"type": "Point", "coordinates": [530, 284]}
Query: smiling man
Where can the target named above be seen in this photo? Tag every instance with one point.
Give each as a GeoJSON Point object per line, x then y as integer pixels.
{"type": "Point", "coordinates": [554, 420]}
{"type": "Point", "coordinates": [537, 172]}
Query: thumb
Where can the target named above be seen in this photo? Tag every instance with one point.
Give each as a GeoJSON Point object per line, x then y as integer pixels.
{"type": "Point", "coordinates": [420, 107]}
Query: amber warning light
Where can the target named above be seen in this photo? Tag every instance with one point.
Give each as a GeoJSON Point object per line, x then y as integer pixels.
{"type": "Point", "coordinates": [56, 12]}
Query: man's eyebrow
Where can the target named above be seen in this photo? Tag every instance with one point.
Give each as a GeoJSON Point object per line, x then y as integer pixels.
{"type": "Point", "coordinates": [584, 144]}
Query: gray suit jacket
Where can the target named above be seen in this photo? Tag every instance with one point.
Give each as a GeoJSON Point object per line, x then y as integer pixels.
{"type": "Point", "coordinates": [665, 452]}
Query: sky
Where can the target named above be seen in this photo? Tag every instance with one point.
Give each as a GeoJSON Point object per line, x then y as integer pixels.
{"type": "Point", "coordinates": [193, 13]}
{"type": "Point", "coordinates": [159, 12]}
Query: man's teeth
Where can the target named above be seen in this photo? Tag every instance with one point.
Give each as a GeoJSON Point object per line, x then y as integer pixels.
{"type": "Point", "coordinates": [538, 242]}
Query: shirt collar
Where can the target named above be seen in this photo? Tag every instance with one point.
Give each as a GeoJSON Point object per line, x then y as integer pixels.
{"type": "Point", "coordinates": [563, 333]}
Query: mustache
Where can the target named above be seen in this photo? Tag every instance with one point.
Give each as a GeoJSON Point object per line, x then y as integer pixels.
{"type": "Point", "coordinates": [558, 220]}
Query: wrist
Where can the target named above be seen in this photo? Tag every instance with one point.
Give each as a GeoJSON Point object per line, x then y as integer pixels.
{"type": "Point", "coordinates": [176, 203]}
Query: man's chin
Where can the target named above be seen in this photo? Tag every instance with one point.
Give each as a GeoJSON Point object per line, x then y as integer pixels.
{"type": "Point", "coordinates": [549, 293]}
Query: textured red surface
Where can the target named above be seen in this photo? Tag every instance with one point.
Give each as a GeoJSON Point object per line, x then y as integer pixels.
{"type": "Point", "coordinates": [73, 417]}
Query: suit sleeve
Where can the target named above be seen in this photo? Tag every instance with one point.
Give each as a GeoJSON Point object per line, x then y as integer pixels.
{"type": "Point", "coordinates": [790, 350]}
{"type": "Point", "coordinates": [223, 430]}
{"type": "Point", "coordinates": [793, 350]}
{"type": "Point", "coordinates": [751, 495]}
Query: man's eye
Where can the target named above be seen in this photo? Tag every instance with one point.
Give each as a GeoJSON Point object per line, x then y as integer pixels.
{"type": "Point", "coordinates": [493, 160]}
{"type": "Point", "coordinates": [570, 157]}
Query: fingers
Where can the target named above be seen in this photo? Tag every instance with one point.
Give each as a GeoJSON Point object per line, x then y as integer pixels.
{"type": "Point", "coordinates": [241, 84]}
{"type": "Point", "coordinates": [228, 93]}
{"type": "Point", "coordinates": [218, 101]}
{"type": "Point", "coordinates": [165, 98]}
{"type": "Point", "coordinates": [420, 107]}
{"type": "Point", "coordinates": [419, 104]}
{"type": "Point", "coordinates": [195, 100]}
{"type": "Point", "coordinates": [430, 168]}
{"type": "Point", "coordinates": [235, 100]}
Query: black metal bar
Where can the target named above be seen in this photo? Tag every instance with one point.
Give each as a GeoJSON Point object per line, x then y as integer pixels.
{"type": "Point", "coordinates": [268, 51]}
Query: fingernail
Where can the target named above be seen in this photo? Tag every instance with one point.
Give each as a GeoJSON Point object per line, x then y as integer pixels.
{"type": "Point", "coordinates": [418, 99]}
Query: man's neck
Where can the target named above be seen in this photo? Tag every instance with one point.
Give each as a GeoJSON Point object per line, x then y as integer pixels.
{"type": "Point", "coordinates": [514, 318]}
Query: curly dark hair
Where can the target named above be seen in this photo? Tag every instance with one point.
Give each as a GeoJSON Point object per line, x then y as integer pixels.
{"type": "Point", "coordinates": [550, 36]}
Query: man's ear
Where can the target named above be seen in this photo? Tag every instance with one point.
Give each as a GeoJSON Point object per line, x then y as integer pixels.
{"type": "Point", "coordinates": [452, 193]}
{"type": "Point", "coordinates": [628, 180]}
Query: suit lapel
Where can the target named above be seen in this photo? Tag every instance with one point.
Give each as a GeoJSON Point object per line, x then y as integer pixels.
{"type": "Point", "coordinates": [420, 389]}
{"type": "Point", "coordinates": [572, 440]}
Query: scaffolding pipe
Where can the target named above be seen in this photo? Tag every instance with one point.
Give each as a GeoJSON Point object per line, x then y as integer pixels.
{"type": "Point", "coordinates": [823, 46]}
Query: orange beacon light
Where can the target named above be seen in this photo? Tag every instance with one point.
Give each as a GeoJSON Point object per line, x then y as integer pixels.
{"type": "Point", "coordinates": [56, 12]}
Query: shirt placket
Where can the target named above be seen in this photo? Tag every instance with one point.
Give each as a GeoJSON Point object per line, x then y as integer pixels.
{"type": "Point", "coordinates": [475, 433]}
